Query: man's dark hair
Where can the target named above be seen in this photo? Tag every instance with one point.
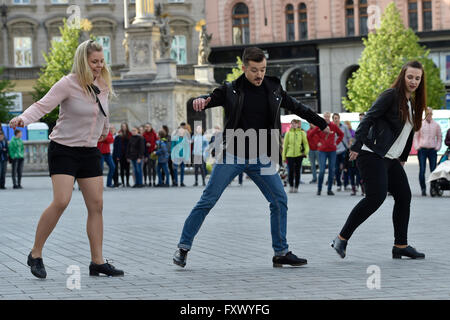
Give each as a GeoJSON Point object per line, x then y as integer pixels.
{"type": "Point", "coordinates": [182, 124]}
{"type": "Point", "coordinates": [253, 54]}
{"type": "Point", "coordinates": [16, 132]}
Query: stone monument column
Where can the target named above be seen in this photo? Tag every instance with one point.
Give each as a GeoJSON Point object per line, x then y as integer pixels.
{"type": "Point", "coordinates": [145, 11]}
{"type": "Point", "coordinates": [141, 42]}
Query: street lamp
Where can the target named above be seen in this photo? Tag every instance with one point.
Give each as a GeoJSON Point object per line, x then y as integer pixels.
{"type": "Point", "coordinates": [4, 13]}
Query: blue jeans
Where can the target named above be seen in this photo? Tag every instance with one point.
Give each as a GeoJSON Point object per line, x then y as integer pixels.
{"type": "Point", "coordinates": [221, 175]}
{"type": "Point", "coordinates": [323, 156]}
{"type": "Point", "coordinates": [313, 159]}
{"type": "Point", "coordinates": [423, 154]}
{"type": "Point", "coordinates": [175, 172]}
{"type": "Point", "coordinates": [109, 161]}
{"type": "Point", "coordinates": [137, 171]}
{"type": "Point", "coordinates": [159, 168]}
{"type": "Point", "coordinates": [340, 159]}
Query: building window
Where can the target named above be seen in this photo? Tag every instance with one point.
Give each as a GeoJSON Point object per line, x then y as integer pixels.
{"type": "Point", "coordinates": [427, 15]}
{"type": "Point", "coordinates": [178, 49]}
{"type": "Point", "coordinates": [290, 24]}
{"type": "Point", "coordinates": [349, 18]}
{"type": "Point", "coordinates": [412, 14]}
{"type": "Point", "coordinates": [23, 54]}
{"type": "Point", "coordinates": [105, 42]}
{"type": "Point", "coordinates": [100, 1]}
{"type": "Point", "coordinates": [302, 21]}
{"type": "Point", "coordinates": [241, 27]}
{"type": "Point", "coordinates": [447, 68]}
{"type": "Point", "coordinates": [60, 1]}
{"type": "Point", "coordinates": [21, 1]}
{"type": "Point", "coordinates": [363, 29]}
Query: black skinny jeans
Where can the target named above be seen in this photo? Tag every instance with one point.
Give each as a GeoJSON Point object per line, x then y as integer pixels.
{"type": "Point", "coordinates": [294, 170]}
{"type": "Point", "coordinates": [16, 172]}
{"type": "Point", "coordinates": [379, 176]}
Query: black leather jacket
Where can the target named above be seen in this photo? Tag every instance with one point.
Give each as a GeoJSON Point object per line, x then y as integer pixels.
{"type": "Point", "coordinates": [381, 126]}
{"type": "Point", "coordinates": [231, 97]}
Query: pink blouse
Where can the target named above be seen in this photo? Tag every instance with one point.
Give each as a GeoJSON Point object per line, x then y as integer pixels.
{"type": "Point", "coordinates": [80, 122]}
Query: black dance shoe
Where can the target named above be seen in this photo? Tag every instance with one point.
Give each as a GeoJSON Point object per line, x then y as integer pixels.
{"type": "Point", "coordinates": [290, 259]}
{"type": "Point", "coordinates": [106, 268]}
{"type": "Point", "coordinates": [180, 257]}
{"type": "Point", "coordinates": [37, 267]}
{"type": "Point", "coordinates": [409, 251]}
{"type": "Point", "coordinates": [340, 246]}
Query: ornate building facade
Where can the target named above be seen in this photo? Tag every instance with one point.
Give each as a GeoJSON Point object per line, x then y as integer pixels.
{"type": "Point", "coordinates": [314, 45]}
{"type": "Point", "coordinates": [28, 26]}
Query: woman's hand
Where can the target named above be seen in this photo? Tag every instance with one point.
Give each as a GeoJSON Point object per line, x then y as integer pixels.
{"type": "Point", "coordinates": [353, 155]}
{"type": "Point", "coordinates": [16, 122]}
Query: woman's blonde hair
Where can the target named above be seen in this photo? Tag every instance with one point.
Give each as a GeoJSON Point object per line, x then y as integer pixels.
{"type": "Point", "coordinates": [83, 71]}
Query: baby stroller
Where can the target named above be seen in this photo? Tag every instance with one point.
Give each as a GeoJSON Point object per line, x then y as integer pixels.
{"type": "Point", "coordinates": [440, 177]}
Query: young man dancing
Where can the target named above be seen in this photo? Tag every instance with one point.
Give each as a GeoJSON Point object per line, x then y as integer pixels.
{"type": "Point", "coordinates": [252, 109]}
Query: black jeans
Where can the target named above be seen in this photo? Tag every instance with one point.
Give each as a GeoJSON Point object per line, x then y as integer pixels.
{"type": "Point", "coordinates": [17, 168]}
{"type": "Point", "coordinates": [125, 171]}
{"type": "Point", "coordinates": [294, 169]}
{"type": "Point", "coordinates": [151, 166]}
{"type": "Point", "coordinates": [116, 172]}
{"type": "Point", "coordinates": [3, 165]}
{"type": "Point", "coordinates": [379, 176]}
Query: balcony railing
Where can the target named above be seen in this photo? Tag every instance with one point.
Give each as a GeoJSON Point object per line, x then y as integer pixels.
{"type": "Point", "coordinates": [35, 156]}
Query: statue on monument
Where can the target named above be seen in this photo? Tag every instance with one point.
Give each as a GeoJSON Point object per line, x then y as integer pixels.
{"type": "Point", "coordinates": [165, 42]}
{"type": "Point", "coordinates": [204, 48]}
{"type": "Point", "coordinates": [127, 49]}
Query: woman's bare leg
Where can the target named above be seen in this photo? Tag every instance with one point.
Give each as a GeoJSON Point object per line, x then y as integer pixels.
{"type": "Point", "coordinates": [92, 189]}
{"type": "Point", "coordinates": [62, 193]}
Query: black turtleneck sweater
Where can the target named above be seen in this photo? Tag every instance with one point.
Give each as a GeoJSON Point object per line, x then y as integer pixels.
{"type": "Point", "coordinates": [255, 113]}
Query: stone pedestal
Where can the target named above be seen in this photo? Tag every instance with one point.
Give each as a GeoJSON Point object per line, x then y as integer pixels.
{"type": "Point", "coordinates": [166, 70]}
{"type": "Point", "coordinates": [143, 46]}
{"type": "Point", "coordinates": [204, 74]}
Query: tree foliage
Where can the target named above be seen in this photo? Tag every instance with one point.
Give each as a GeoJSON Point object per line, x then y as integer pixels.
{"type": "Point", "coordinates": [58, 64]}
{"type": "Point", "coordinates": [236, 71]}
{"type": "Point", "coordinates": [386, 51]}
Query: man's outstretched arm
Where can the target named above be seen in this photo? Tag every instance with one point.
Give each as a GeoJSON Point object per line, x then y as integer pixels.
{"type": "Point", "coordinates": [214, 99]}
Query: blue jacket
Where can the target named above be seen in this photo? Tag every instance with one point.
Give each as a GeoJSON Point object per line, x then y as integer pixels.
{"type": "Point", "coordinates": [4, 150]}
{"type": "Point", "coordinates": [117, 147]}
{"type": "Point", "coordinates": [161, 151]}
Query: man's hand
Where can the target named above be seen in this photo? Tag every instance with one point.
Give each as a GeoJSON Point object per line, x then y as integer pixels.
{"type": "Point", "coordinates": [327, 130]}
{"type": "Point", "coordinates": [353, 155]}
{"type": "Point", "coordinates": [16, 122]}
{"type": "Point", "coordinates": [102, 137]}
{"type": "Point", "coordinates": [402, 163]}
{"type": "Point", "coordinates": [139, 160]}
{"type": "Point", "coordinates": [200, 103]}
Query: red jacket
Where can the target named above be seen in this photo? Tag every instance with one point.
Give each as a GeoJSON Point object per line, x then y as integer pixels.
{"type": "Point", "coordinates": [150, 137]}
{"type": "Point", "coordinates": [104, 146]}
{"type": "Point", "coordinates": [313, 140]}
{"type": "Point", "coordinates": [328, 140]}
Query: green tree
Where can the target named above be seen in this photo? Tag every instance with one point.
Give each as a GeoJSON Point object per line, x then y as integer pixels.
{"type": "Point", "coordinates": [236, 71]}
{"type": "Point", "coordinates": [58, 64]}
{"type": "Point", "coordinates": [386, 51]}
{"type": "Point", "coordinates": [6, 101]}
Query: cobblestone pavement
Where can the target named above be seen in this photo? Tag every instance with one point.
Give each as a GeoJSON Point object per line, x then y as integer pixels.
{"type": "Point", "coordinates": [231, 256]}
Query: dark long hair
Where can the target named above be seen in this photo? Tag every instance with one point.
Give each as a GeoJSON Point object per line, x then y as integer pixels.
{"type": "Point", "coordinates": [418, 97]}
